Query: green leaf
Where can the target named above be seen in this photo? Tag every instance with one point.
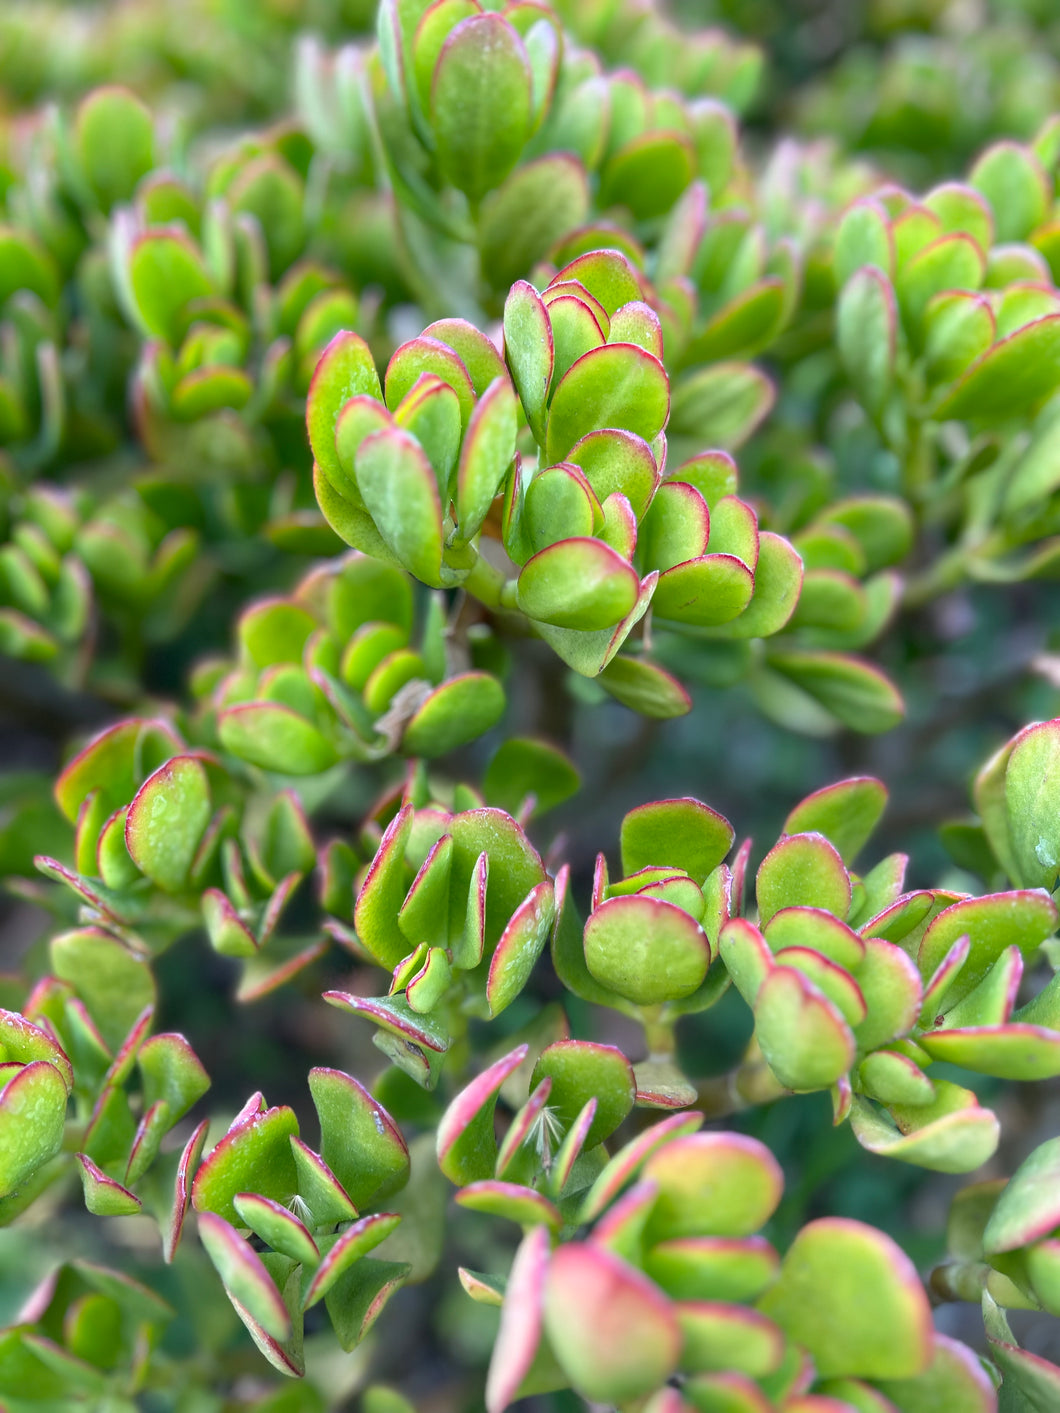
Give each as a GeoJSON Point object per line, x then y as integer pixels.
{"type": "Point", "coordinates": [648, 174]}
{"type": "Point", "coordinates": [1028, 1207]}
{"type": "Point", "coordinates": [32, 1120]}
{"type": "Point", "coordinates": [720, 406]}
{"type": "Point", "coordinates": [520, 945]}
{"type": "Point", "coordinates": [846, 814]}
{"type": "Point", "coordinates": [401, 494]}
{"type": "Point", "coordinates": [480, 103]}
{"type": "Point", "coordinates": [359, 1141]}
{"type": "Point", "coordinates": [645, 687]}
{"type": "Point", "coordinates": [245, 1277]}
{"type": "Point", "coordinates": [274, 737]}
{"type": "Point", "coordinates": [1010, 378]}
{"type": "Point", "coordinates": [578, 583]}
{"type": "Point", "coordinates": [580, 1070]}
{"type": "Point", "coordinates": [346, 370]}
{"type": "Point", "coordinates": [646, 950]}
{"type": "Point", "coordinates": [853, 691]}
{"type": "Point", "coordinates": [710, 591]}
{"type": "Point", "coordinates": [253, 1156]}
{"type": "Point", "coordinates": [1018, 190]}
{"type": "Point", "coordinates": [711, 1184]}
{"type": "Point", "coordinates": [114, 136]}
{"type": "Point", "coordinates": [486, 455]}
{"type": "Point", "coordinates": [863, 238]}
{"type": "Point", "coordinates": [114, 983]}
{"type": "Point", "coordinates": [466, 1141]}
{"type": "Point", "coordinates": [866, 333]}
{"type": "Point", "coordinates": [529, 349]}
{"type": "Point", "coordinates": [850, 1296]}
{"type": "Point", "coordinates": [802, 870]}
{"type": "Point", "coordinates": [952, 1134]}
{"type": "Point", "coordinates": [104, 1197]}
{"type": "Point", "coordinates": [521, 221]}
{"type": "Point", "coordinates": [166, 821]}
{"type": "Point", "coordinates": [522, 767]}
{"type": "Point", "coordinates": [458, 711]}
{"type": "Point", "coordinates": [618, 385]}
{"type": "Point", "coordinates": [613, 1332]}
{"type": "Point", "coordinates": [166, 272]}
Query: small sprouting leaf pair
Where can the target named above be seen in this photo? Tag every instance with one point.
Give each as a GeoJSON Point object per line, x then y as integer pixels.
{"type": "Point", "coordinates": [454, 904]}
{"type": "Point", "coordinates": [307, 1211]}
{"type": "Point", "coordinates": [332, 673]}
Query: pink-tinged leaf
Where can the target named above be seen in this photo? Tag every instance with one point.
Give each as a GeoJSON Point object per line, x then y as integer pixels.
{"type": "Point", "coordinates": [621, 1228]}
{"type": "Point", "coordinates": [1029, 1207]}
{"type": "Point", "coordinates": [467, 1143]}
{"type": "Point", "coordinates": [684, 833]}
{"type": "Point", "coordinates": [746, 956]}
{"type": "Point", "coordinates": [734, 530]}
{"type": "Point", "coordinates": [955, 1379]}
{"type": "Point", "coordinates": [246, 1280]}
{"type": "Point", "coordinates": [613, 1332]}
{"type": "Point", "coordinates": [358, 1298]}
{"type": "Point", "coordinates": [166, 820]}
{"type": "Point", "coordinates": [896, 922]}
{"type": "Point", "coordinates": [121, 1065]}
{"type": "Point", "coordinates": [486, 455]}
{"type": "Point", "coordinates": [571, 1148]}
{"type": "Point", "coordinates": [520, 945]}
{"type": "Point", "coordinates": [942, 980]}
{"type": "Point", "coordinates": [400, 491]}
{"type": "Point", "coordinates": [628, 1161]}
{"type": "Point", "coordinates": [851, 1297]}
{"type": "Point", "coordinates": [171, 1071]}
{"type": "Point", "coordinates": [584, 1069]}
{"type": "Point", "coordinates": [713, 1267]}
{"type": "Point", "coordinates": [155, 1123]}
{"type": "Point", "coordinates": [483, 1289]}
{"type": "Point", "coordinates": [999, 920]}
{"type": "Point", "coordinates": [173, 1229]}
{"type": "Point", "coordinates": [578, 583]}
{"type": "Point", "coordinates": [646, 950]}
{"type": "Point", "coordinates": [354, 1243]}
{"type": "Point", "coordinates": [719, 1336]}
{"type": "Point", "coordinates": [802, 1034]}
{"type": "Point", "coordinates": [511, 1200]}
{"type": "Point", "coordinates": [359, 1141]}
{"type": "Point", "coordinates": [528, 347]}
{"type": "Point", "coordinates": [319, 1188]}
{"type": "Point", "coordinates": [383, 893]}
{"type": "Point", "coordinates": [813, 927]}
{"type": "Point", "coordinates": [415, 1042]}
{"type": "Point", "coordinates": [228, 933]}
{"type": "Point", "coordinates": [521, 1126]}
{"type": "Point", "coordinates": [618, 385]}
{"type": "Point", "coordinates": [712, 1184]}
{"type": "Point", "coordinates": [476, 350]}
{"type": "Point", "coordinates": [802, 870]}
{"type": "Point", "coordinates": [104, 1197]}
{"type": "Point", "coordinates": [952, 1134]}
{"type": "Point", "coordinates": [831, 980]}
{"type": "Point", "coordinates": [891, 986]}
{"type": "Point", "coordinates": [108, 764]}
{"type": "Point", "coordinates": [267, 972]}
{"type": "Point", "coordinates": [706, 592]}
{"type": "Point", "coordinates": [25, 1042]}
{"type": "Point", "coordinates": [277, 1226]}
{"type": "Point", "coordinates": [253, 1156]}
{"type": "Point", "coordinates": [522, 1315]}
{"type": "Point", "coordinates": [735, 1393]}
{"type": "Point", "coordinates": [845, 813]}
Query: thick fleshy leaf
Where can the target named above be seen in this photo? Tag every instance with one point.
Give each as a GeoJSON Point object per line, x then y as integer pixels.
{"type": "Point", "coordinates": [712, 1184]}
{"type": "Point", "coordinates": [777, 584]}
{"type": "Point", "coordinates": [32, 1120]}
{"type": "Point", "coordinates": [845, 813]}
{"type": "Point", "coordinates": [522, 219]}
{"type": "Point", "coordinates": [578, 583]}
{"type": "Point", "coordinates": [346, 370]}
{"type": "Point", "coordinates": [801, 1032]}
{"type": "Point", "coordinates": [618, 461]}
{"type": "Point", "coordinates": [522, 1315]}
{"type": "Point", "coordinates": [817, 929]}
{"type": "Point", "coordinates": [275, 737]}
{"type": "Point", "coordinates": [520, 945]}
{"type": "Point", "coordinates": [682, 833]}
{"type": "Point", "coordinates": [992, 923]}
{"type": "Point", "coordinates": [253, 1156]}
{"type": "Point", "coordinates": [1010, 378]}
{"type": "Point", "coordinates": [713, 1267]}
{"type": "Point", "coordinates": [892, 991]}
{"type": "Point", "coordinates": [467, 1143]}
{"type": "Point", "coordinates": [952, 1134]}
{"type": "Point", "coordinates": [954, 1382]}
{"type": "Point", "coordinates": [383, 892]}
{"type": "Point", "coordinates": [359, 1141]}
{"type": "Point", "coordinates": [523, 767]}
{"type": "Point", "coordinates": [276, 1226]}
{"type": "Point", "coordinates": [358, 1297]}
{"type": "Point", "coordinates": [171, 1071]}
{"type": "Point", "coordinates": [581, 1070]}
{"type": "Point", "coordinates": [530, 352]}
{"type": "Point", "coordinates": [802, 870]}
{"type": "Point", "coordinates": [645, 687]}
{"type": "Point", "coordinates": [1029, 1206]}
{"type": "Point", "coordinates": [709, 591]}
{"type": "Point", "coordinates": [459, 711]}
{"type": "Point", "coordinates": [173, 1227]}
{"type": "Point", "coordinates": [720, 1336]}
{"type": "Point", "coordinates": [855, 692]}
{"type": "Point", "coordinates": [244, 1276]}
{"type": "Point", "coordinates": [614, 1334]}
{"type": "Point", "coordinates": [166, 272]}
{"type": "Point", "coordinates": [166, 821]}
{"type": "Point", "coordinates": [618, 385]}
{"type": "Point", "coordinates": [401, 493]}
{"type": "Point", "coordinates": [480, 103]}
{"type": "Point", "coordinates": [489, 446]}
{"type": "Point", "coordinates": [850, 1296]}
{"type": "Point", "coordinates": [343, 1251]}
{"type": "Point", "coordinates": [646, 950]}
{"type": "Point", "coordinates": [319, 1188]}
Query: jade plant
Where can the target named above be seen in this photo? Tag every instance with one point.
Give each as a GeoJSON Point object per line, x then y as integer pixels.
{"type": "Point", "coordinates": [452, 457]}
